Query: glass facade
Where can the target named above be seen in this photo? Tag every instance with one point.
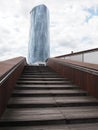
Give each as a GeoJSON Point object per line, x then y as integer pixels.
{"type": "Point", "coordinates": [39, 43]}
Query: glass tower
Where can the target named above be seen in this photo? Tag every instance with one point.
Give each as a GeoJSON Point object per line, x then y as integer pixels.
{"type": "Point", "coordinates": [39, 46]}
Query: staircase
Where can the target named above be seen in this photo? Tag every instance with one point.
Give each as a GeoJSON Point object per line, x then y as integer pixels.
{"type": "Point", "coordinates": [43, 100]}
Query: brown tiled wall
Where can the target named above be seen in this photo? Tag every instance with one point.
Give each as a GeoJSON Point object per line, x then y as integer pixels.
{"type": "Point", "coordinates": [7, 87]}
{"type": "Point", "coordinates": [84, 80]}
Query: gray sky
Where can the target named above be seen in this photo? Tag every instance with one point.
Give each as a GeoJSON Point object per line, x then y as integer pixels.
{"type": "Point", "coordinates": [73, 26]}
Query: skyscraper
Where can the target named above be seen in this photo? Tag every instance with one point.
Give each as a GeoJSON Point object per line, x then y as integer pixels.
{"type": "Point", "coordinates": [39, 46]}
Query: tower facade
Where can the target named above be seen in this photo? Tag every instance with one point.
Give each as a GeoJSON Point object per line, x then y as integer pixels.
{"type": "Point", "coordinates": [39, 46]}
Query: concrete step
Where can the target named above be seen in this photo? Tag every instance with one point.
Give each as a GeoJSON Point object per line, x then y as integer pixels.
{"type": "Point", "coordinates": [42, 79]}
{"type": "Point", "coordinates": [46, 87]}
{"type": "Point", "coordinates": [41, 76]}
{"type": "Point", "coordinates": [26, 102]}
{"type": "Point", "coordinates": [31, 117]}
{"type": "Point", "coordinates": [43, 82]}
{"type": "Point", "coordinates": [39, 72]}
{"type": "Point", "coordinates": [48, 93]}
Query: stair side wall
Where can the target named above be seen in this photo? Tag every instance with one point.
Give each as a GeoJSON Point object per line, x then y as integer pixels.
{"type": "Point", "coordinates": [85, 80]}
{"type": "Point", "coordinates": [8, 84]}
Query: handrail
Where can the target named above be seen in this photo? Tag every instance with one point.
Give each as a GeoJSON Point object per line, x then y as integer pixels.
{"type": "Point", "coordinates": [75, 53]}
{"type": "Point", "coordinates": [76, 66]}
{"type": "Point", "coordinates": [4, 77]}
{"type": "Point", "coordinates": [87, 56]}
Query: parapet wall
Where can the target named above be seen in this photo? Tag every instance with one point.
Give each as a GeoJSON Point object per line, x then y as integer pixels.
{"type": "Point", "coordinates": [84, 75]}
{"type": "Point", "coordinates": [10, 71]}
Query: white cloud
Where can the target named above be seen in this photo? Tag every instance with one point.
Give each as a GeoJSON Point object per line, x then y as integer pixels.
{"type": "Point", "coordinates": [13, 30]}
{"type": "Point", "coordinates": [73, 28]}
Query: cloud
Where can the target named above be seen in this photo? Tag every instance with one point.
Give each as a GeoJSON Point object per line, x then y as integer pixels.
{"type": "Point", "coordinates": [73, 33]}
{"type": "Point", "coordinates": [13, 30]}
{"type": "Point", "coordinates": [73, 26]}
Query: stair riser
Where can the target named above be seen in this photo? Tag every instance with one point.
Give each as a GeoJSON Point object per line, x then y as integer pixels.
{"type": "Point", "coordinates": [32, 123]}
{"type": "Point", "coordinates": [38, 83]}
{"type": "Point", "coordinates": [46, 88]}
{"type": "Point", "coordinates": [48, 95]}
{"type": "Point", "coordinates": [48, 122]}
{"type": "Point", "coordinates": [51, 105]}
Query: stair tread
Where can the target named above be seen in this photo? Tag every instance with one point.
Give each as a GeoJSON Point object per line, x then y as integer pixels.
{"type": "Point", "coordinates": [50, 114]}
{"type": "Point", "coordinates": [34, 117]}
{"type": "Point", "coordinates": [55, 82]}
{"type": "Point", "coordinates": [43, 78]}
{"type": "Point", "coordinates": [39, 72]}
{"type": "Point", "coordinates": [49, 85]}
{"type": "Point", "coordinates": [48, 127]}
{"type": "Point", "coordinates": [27, 100]}
{"type": "Point", "coordinates": [41, 75]}
{"type": "Point", "coordinates": [47, 91]}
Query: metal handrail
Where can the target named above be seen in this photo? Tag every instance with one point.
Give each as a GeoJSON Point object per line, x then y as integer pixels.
{"type": "Point", "coordinates": [78, 67]}
{"type": "Point", "coordinates": [7, 75]}
{"type": "Point", "coordinates": [76, 53]}
{"type": "Point", "coordinates": [87, 56]}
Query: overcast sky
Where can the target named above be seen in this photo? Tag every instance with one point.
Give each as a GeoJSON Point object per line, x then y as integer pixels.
{"type": "Point", "coordinates": [73, 26]}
